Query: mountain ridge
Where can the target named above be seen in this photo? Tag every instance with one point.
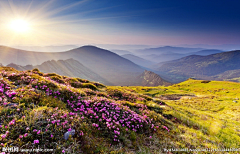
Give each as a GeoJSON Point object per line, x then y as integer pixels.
{"type": "Point", "coordinates": [103, 62]}
{"type": "Point", "coordinates": [151, 79]}
{"type": "Point", "coordinates": [203, 65]}
{"type": "Point", "coordinates": [69, 67]}
{"type": "Point", "coordinates": [167, 49]}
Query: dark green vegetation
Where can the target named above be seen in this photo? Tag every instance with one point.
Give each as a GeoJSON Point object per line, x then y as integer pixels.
{"type": "Point", "coordinates": [38, 108]}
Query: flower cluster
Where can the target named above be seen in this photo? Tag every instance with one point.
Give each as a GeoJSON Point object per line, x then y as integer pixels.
{"type": "Point", "coordinates": [106, 112]}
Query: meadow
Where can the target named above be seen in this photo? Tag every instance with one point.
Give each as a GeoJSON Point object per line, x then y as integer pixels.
{"type": "Point", "coordinates": [73, 115]}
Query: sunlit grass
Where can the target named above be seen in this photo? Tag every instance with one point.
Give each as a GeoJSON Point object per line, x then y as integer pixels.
{"type": "Point", "coordinates": [208, 111]}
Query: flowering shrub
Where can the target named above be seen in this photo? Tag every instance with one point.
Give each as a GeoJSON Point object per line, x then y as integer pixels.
{"type": "Point", "coordinates": [78, 105]}
{"type": "Point", "coordinates": [48, 128]}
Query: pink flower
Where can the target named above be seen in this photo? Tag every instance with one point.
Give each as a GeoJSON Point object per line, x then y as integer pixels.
{"type": "Point", "coordinates": [51, 136]}
{"type": "Point", "coordinates": [3, 136]}
{"type": "Point", "coordinates": [63, 151]}
{"type": "Point", "coordinates": [81, 133]}
{"type": "Point", "coordinates": [20, 136]}
{"type": "Point", "coordinates": [26, 134]}
{"type": "Point", "coordinates": [35, 141]}
{"type": "Point", "coordinates": [12, 122]}
{"type": "Point", "coordinates": [150, 136]}
{"type": "Point", "coordinates": [69, 129]}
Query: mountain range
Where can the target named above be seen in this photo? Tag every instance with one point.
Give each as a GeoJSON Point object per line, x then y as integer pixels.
{"type": "Point", "coordinates": [168, 56]}
{"type": "Point", "coordinates": [87, 62]}
{"type": "Point", "coordinates": [107, 64]}
{"type": "Point", "coordinates": [73, 68]}
{"type": "Point", "coordinates": [107, 67]}
{"type": "Point", "coordinates": [69, 67]}
{"type": "Point", "coordinates": [166, 50]}
{"type": "Point", "coordinates": [203, 66]}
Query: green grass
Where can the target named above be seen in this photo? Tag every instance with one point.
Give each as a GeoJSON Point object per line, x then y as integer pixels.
{"type": "Point", "coordinates": [209, 119]}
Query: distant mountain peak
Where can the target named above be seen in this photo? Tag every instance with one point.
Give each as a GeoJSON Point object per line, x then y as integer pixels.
{"type": "Point", "coordinates": [89, 47]}
{"type": "Point", "coordinates": [149, 78]}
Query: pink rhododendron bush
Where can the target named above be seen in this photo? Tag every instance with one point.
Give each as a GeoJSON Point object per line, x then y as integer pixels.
{"type": "Point", "coordinates": [72, 115]}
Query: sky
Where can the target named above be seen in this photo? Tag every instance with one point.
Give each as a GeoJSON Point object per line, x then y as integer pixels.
{"type": "Point", "coordinates": [132, 22]}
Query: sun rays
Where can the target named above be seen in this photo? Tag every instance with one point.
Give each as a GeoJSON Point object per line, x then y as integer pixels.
{"type": "Point", "coordinates": [33, 22]}
{"type": "Point", "coordinates": [51, 22]}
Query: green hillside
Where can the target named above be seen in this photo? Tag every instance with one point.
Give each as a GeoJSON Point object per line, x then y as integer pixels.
{"type": "Point", "coordinates": [206, 112]}
{"type": "Point", "coordinates": [42, 109]}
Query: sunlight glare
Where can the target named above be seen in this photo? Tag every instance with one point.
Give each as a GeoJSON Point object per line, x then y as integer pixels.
{"type": "Point", "coordinates": [20, 26]}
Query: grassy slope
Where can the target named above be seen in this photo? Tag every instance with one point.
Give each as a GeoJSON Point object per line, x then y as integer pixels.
{"type": "Point", "coordinates": [209, 120]}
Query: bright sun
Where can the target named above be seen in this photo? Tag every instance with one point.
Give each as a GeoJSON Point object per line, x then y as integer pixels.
{"type": "Point", "coordinates": [20, 26]}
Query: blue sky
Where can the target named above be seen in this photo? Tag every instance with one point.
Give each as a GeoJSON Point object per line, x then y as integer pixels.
{"type": "Point", "coordinates": [153, 22]}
